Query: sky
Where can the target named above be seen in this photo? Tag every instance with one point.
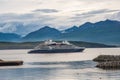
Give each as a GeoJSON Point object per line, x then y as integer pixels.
{"type": "Point", "coordinates": [60, 14]}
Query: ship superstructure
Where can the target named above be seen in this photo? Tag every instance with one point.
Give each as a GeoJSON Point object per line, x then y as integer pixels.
{"type": "Point", "coordinates": [50, 46]}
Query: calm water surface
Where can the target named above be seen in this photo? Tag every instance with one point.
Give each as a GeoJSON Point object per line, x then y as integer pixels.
{"type": "Point", "coordinates": [72, 66]}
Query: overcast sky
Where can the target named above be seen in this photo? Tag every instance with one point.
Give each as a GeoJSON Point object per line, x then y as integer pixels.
{"type": "Point", "coordinates": [58, 13]}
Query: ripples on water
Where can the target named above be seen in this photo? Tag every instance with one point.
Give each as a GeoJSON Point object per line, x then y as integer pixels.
{"type": "Point", "coordinates": [55, 68]}
{"type": "Point", "coordinates": [80, 70]}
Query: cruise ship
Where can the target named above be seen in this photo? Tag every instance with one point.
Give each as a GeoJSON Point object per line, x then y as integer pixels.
{"type": "Point", "coordinates": [50, 46]}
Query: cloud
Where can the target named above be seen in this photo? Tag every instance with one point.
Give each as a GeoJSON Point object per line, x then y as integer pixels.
{"type": "Point", "coordinates": [94, 12]}
{"type": "Point", "coordinates": [93, 15]}
{"type": "Point", "coordinates": [46, 10]}
{"type": "Point", "coordinates": [24, 23]}
{"type": "Point", "coordinates": [115, 16]}
{"type": "Point", "coordinates": [56, 13]}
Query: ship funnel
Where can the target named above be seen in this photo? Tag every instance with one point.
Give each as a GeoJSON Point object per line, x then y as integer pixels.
{"type": "Point", "coordinates": [48, 41]}
{"type": "Point", "coordinates": [65, 42]}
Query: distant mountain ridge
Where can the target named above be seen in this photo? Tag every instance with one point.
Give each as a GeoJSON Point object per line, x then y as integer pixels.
{"type": "Point", "coordinates": [74, 28]}
{"type": "Point", "coordinates": [9, 37]}
{"type": "Point", "coordinates": [106, 32]}
{"type": "Point", "coordinates": [42, 34]}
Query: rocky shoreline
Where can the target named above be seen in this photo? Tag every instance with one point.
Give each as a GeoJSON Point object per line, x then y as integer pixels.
{"type": "Point", "coordinates": [108, 61]}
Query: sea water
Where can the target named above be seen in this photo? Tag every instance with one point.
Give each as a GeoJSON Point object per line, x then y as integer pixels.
{"type": "Point", "coordinates": [60, 66]}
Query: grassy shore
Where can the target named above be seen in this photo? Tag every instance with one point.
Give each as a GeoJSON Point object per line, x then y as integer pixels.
{"type": "Point", "coordinates": [31, 45]}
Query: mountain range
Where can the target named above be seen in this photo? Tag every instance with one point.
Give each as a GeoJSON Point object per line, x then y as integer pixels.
{"type": "Point", "coordinates": [106, 32]}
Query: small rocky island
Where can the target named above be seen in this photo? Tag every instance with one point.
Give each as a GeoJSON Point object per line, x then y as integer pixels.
{"type": "Point", "coordinates": [108, 61]}
{"type": "Point", "coordinates": [10, 63]}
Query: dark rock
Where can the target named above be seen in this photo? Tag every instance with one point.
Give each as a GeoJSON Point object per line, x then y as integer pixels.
{"type": "Point", "coordinates": [10, 63]}
{"type": "Point", "coordinates": [1, 60]}
{"type": "Point", "coordinates": [103, 58]}
{"type": "Point", "coordinates": [109, 65]}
